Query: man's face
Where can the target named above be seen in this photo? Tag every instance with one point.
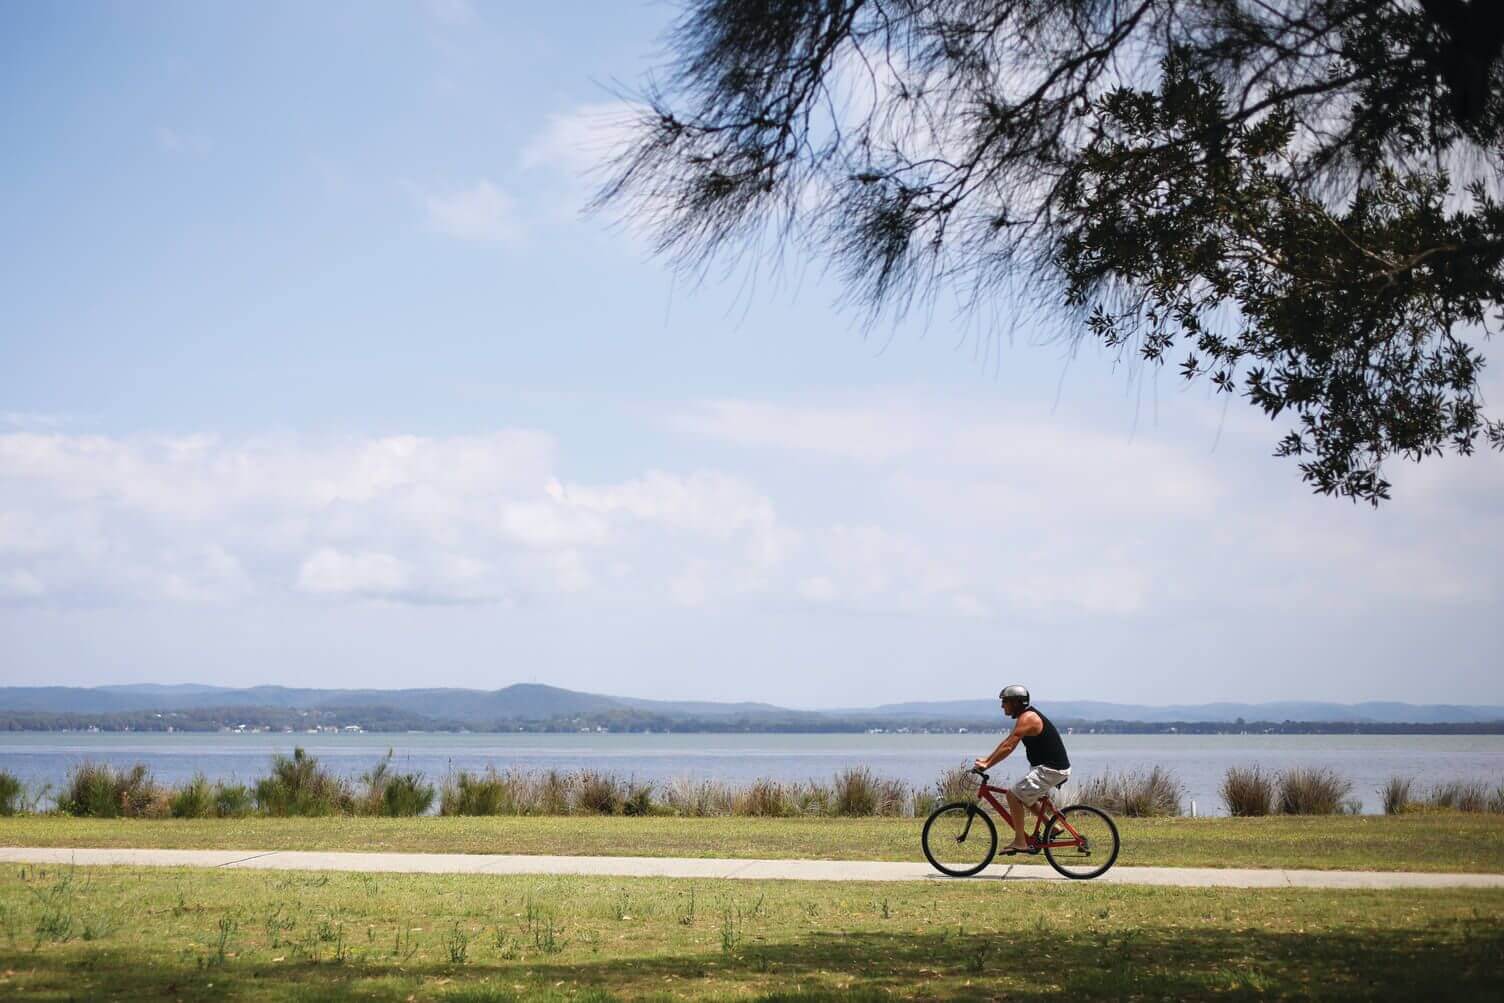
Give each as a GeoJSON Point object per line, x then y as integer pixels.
{"type": "Point", "coordinates": [1011, 707]}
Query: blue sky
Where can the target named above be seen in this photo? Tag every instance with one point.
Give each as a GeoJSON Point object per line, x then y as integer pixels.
{"type": "Point", "coordinates": [313, 373]}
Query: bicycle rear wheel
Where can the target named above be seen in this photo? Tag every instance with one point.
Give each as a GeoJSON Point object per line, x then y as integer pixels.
{"type": "Point", "coordinates": [1090, 850]}
{"type": "Point", "coordinates": [959, 839]}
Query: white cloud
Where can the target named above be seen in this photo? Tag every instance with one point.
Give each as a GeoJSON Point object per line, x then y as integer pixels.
{"type": "Point", "coordinates": [481, 213]}
{"type": "Point", "coordinates": [888, 505]}
{"type": "Point", "coordinates": [581, 141]}
{"type": "Point", "coordinates": [399, 518]}
{"type": "Point", "coordinates": [331, 572]}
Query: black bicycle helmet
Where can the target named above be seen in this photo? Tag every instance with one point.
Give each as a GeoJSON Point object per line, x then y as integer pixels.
{"type": "Point", "coordinates": [1015, 692]}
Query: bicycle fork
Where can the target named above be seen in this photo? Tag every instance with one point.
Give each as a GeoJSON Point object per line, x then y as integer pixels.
{"type": "Point", "coordinates": [970, 817]}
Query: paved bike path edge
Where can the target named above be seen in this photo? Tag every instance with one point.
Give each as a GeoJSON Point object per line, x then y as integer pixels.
{"type": "Point", "coordinates": [690, 867]}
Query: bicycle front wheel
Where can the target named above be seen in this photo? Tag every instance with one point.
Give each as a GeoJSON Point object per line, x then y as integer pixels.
{"type": "Point", "coordinates": [959, 839]}
{"type": "Point", "coordinates": [1081, 842]}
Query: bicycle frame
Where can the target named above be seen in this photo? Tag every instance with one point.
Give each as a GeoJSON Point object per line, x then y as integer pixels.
{"type": "Point", "coordinates": [1044, 809]}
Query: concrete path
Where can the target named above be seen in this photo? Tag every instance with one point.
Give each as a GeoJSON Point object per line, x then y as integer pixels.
{"type": "Point", "coordinates": [686, 867]}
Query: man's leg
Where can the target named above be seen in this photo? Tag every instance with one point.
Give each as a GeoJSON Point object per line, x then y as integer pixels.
{"type": "Point", "coordinates": [1018, 811]}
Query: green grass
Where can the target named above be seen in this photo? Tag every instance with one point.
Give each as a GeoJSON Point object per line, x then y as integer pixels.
{"type": "Point", "coordinates": [1432, 842]}
{"type": "Point", "coordinates": [117, 933]}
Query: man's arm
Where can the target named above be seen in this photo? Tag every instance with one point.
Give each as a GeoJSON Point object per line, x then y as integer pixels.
{"type": "Point", "coordinates": [1028, 723]}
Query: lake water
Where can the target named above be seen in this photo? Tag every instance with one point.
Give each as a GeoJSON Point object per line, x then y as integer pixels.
{"type": "Point", "coordinates": [1199, 761]}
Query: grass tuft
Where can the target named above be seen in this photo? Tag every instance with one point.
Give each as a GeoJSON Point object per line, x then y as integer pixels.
{"type": "Point", "coordinates": [394, 795]}
{"type": "Point", "coordinates": [1135, 794]}
{"type": "Point", "coordinates": [488, 793]}
{"type": "Point", "coordinates": [1247, 791]}
{"type": "Point", "coordinates": [298, 785]}
{"type": "Point", "coordinates": [199, 798]}
{"type": "Point", "coordinates": [12, 793]}
{"type": "Point", "coordinates": [599, 794]}
{"type": "Point", "coordinates": [1460, 795]}
{"type": "Point", "coordinates": [98, 790]}
{"type": "Point", "coordinates": [1312, 790]}
{"type": "Point", "coordinates": [1396, 795]}
{"type": "Point", "coordinates": [764, 799]}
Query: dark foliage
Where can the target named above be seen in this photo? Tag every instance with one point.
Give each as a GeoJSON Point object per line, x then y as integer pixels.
{"type": "Point", "coordinates": [1294, 201]}
{"type": "Point", "coordinates": [12, 793]}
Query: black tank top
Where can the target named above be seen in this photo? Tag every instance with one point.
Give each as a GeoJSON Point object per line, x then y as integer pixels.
{"type": "Point", "coordinates": [1045, 748]}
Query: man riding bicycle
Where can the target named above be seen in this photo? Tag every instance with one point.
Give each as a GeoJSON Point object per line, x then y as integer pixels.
{"type": "Point", "coordinates": [1049, 766]}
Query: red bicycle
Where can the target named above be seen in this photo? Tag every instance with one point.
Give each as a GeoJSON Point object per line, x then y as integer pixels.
{"type": "Point", "coordinates": [1078, 840]}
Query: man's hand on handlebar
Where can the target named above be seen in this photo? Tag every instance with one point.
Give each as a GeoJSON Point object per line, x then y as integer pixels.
{"type": "Point", "coordinates": [980, 767]}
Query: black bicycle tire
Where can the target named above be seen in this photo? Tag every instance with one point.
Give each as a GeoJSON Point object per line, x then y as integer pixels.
{"type": "Point", "coordinates": [924, 839]}
{"type": "Point", "coordinates": [1117, 842]}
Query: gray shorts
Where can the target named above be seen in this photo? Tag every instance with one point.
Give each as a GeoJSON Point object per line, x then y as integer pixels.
{"type": "Point", "coordinates": [1038, 782]}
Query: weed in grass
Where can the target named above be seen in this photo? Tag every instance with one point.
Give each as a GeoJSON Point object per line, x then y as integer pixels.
{"type": "Point", "coordinates": [55, 921]}
{"type": "Point", "coordinates": [887, 913]}
{"type": "Point", "coordinates": [54, 927]}
{"type": "Point", "coordinates": [507, 946]}
{"type": "Point", "coordinates": [731, 933]}
{"type": "Point", "coordinates": [404, 944]}
{"type": "Point", "coordinates": [98, 925]}
{"type": "Point", "coordinates": [976, 961]}
{"type": "Point", "coordinates": [532, 914]}
{"type": "Point", "coordinates": [227, 927]}
{"type": "Point", "coordinates": [687, 917]}
{"type": "Point", "coordinates": [274, 924]}
{"type": "Point", "coordinates": [620, 906]}
{"type": "Point", "coordinates": [546, 936]}
{"type": "Point", "coordinates": [457, 943]}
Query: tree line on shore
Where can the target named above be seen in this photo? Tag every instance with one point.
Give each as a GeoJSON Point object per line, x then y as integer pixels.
{"type": "Point", "coordinates": [299, 785]}
{"type": "Point", "coordinates": [385, 719]}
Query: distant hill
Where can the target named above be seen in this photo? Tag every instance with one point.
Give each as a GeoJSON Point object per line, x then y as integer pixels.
{"type": "Point", "coordinates": [533, 702]}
